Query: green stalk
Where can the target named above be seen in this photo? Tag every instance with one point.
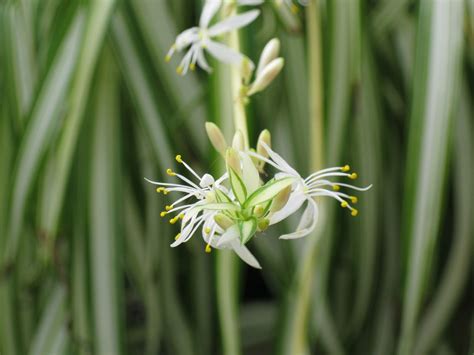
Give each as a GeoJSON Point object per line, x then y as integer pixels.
{"type": "Point", "coordinates": [227, 263]}
{"type": "Point", "coordinates": [295, 337]}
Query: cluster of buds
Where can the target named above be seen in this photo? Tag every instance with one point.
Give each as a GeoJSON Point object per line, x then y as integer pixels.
{"type": "Point", "coordinates": [230, 210]}
{"type": "Point", "coordinates": [269, 66]}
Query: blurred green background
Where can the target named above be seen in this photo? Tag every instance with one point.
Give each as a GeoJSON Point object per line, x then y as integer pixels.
{"type": "Point", "coordinates": [88, 107]}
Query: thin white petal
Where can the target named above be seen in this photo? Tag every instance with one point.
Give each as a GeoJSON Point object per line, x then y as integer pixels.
{"type": "Point", "coordinates": [249, 2]}
{"type": "Point", "coordinates": [294, 203]}
{"type": "Point", "coordinates": [223, 53]}
{"type": "Point", "coordinates": [245, 254]}
{"type": "Point", "coordinates": [233, 23]}
{"type": "Point", "coordinates": [202, 62]}
{"type": "Point", "coordinates": [232, 233]}
{"type": "Point", "coordinates": [186, 37]}
{"type": "Point", "coordinates": [309, 218]}
{"type": "Point", "coordinates": [280, 161]}
{"type": "Point", "coordinates": [209, 10]}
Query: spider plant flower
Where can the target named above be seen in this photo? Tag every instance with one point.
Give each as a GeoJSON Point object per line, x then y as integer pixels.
{"type": "Point", "coordinates": [200, 39]}
{"type": "Point", "coordinates": [306, 189]}
{"type": "Point", "coordinates": [198, 203]}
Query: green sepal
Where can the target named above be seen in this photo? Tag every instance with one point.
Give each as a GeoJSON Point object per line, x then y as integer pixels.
{"type": "Point", "coordinates": [238, 186]}
{"type": "Point", "coordinates": [267, 191]}
{"type": "Point", "coordinates": [247, 230]}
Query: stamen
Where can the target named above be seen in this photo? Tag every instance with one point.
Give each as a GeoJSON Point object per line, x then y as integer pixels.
{"type": "Point", "coordinates": [336, 187]}
{"type": "Point", "coordinates": [354, 212]}
{"type": "Point", "coordinates": [344, 204]}
{"type": "Point", "coordinates": [353, 176]}
{"type": "Point", "coordinates": [208, 248]}
{"type": "Point", "coordinates": [168, 207]}
{"type": "Point", "coordinates": [170, 172]}
{"type": "Point", "coordinates": [177, 236]}
{"type": "Point", "coordinates": [164, 213]}
{"type": "Point", "coordinates": [179, 159]}
{"type": "Point", "coordinates": [294, 9]}
{"type": "Point", "coordinates": [207, 230]}
{"type": "Point", "coordinates": [179, 69]}
{"type": "Point", "coordinates": [346, 168]}
{"type": "Point", "coordinates": [354, 199]}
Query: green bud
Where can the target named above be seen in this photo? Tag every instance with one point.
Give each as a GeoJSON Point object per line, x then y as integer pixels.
{"type": "Point", "coordinates": [263, 224]}
{"type": "Point", "coordinates": [233, 161]}
{"type": "Point", "coordinates": [238, 141]}
{"type": "Point", "coordinates": [266, 138]}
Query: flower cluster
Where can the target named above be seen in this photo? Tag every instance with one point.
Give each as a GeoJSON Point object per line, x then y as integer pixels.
{"type": "Point", "coordinates": [230, 210]}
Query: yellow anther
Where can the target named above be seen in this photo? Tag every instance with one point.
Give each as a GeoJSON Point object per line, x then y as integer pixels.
{"type": "Point", "coordinates": [165, 192]}
{"type": "Point", "coordinates": [177, 236]}
{"type": "Point", "coordinates": [354, 212]}
{"type": "Point", "coordinates": [179, 69]}
{"type": "Point", "coordinates": [164, 213]}
{"type": "Point", "coordinates": [207, 230]}
{"type": "Point", "coordinates": [346, 168]}
{"type": "Point", "coordinates": [208, 248]}
{"type": "Point", "coordinates": [167, 58]}
{"type": "Point", "coordinates": [354, 199]}
{"type": "Point", "coordinates": [336, 187]}
{"type": "Point", "coordinates": [192, 66]}
{"type": "Point", "coordinates": [181, 215]}
{"type": "Point", "coordinates": [178, 158]}
{"type": "Point", "coordinates": [174, 220]}
{"type": "Point", "coordinates": [168, 207]}
{"type": "Point", "coordinates": [344, 204]}
{"type": "Point", "coordinates": [294, 9]}
{"type": "Point", "coordinates": [170, 172]}
{"type": "Point", "coordinates": [353, 176]}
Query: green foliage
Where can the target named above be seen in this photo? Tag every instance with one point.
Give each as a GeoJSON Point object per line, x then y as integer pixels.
{"type": "Point", "coordinates": [89, 108]}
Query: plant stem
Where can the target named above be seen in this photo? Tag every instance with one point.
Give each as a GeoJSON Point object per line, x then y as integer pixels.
{"type": "Point", "coordinates": [227, 264]}
{"type": "Point", "coordinates": [295, 332]}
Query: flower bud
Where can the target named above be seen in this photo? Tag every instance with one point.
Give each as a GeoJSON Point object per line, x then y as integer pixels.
{"type": "Point", "coordinates": [268, 74]}
{"type": "Point", "coordinates": [238, 141]}
{"type": "Point", "coordinates": [223, 221]}
{"type": "Point", "coordinates": [246, 70]}
{"type": "Point", "coordinates": [233, 161]}
{"type": "Point", "coordinates": [270, 52]}
{"type": "Point", "coordinates": [216, 137]}
{"type": "Point", "coordinates": [280, 199]}
{"type": "Point", "coordinates": [263, 224]}
{"type": "Point", "coordinates": [264, 137]}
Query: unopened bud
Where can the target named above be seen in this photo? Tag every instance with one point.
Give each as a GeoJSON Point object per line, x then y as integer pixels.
{"type": "Point", "coordinates": [270, 52]}
{"type": "Point", "coordinates": [238, 141]}
{"type": "Point", "coordinates": [246, 69]}
{"type": "Point", "coordinates": [263, 224]}
{"type": "Point", "coordinates": [258, 211]}
{"type": "Point", "coordinates": [216, 137]}
{"type": "Point", "coordinates": [223, 221]}
{"type": "Point", "coordinates": [233, 161]}
{"type": "Point", "coordinates": [264, 137]}
{"type": "Point", "coordinates": [280, 199]}
{"type": "Point", "coordinates": [268, 74]}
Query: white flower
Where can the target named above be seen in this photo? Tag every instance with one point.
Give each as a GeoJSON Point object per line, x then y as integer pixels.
{"type": "Point", "coordinates": [306, 189]}
{"type": "Point", "coordinates": [200, 38]}
{"type": "Point", "coordinates": [200, 213]}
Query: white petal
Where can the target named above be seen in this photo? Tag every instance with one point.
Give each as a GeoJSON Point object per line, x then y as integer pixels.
{"type": "Point", "coordinates": [245, 254]}
{"type": "Point", "coordinates": [209, 10]}
{"type": "Point", "coordinates": [294, 203]}
{"type": "Point", "coordinates": [250, 174]}
{"type": "Point", "coordinates": [307, 223]}
{"type": "Point", "coordinates": [187, 37]}
{"type": "Point", "coordinates": [223, 53]}
{"type": "Point", "coordinates": [249, 2]}
{"type": "Point", "coordinates": [280, 161]}
{"type": "Point", "coordinates": [229, 235]}
{"type": "Point", "coordinates": [202, 62]}
{"type": "Point", "coordinates": [233, 23]}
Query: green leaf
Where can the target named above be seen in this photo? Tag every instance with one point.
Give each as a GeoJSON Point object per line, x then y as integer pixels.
{"type": "Point", "coordinates": [267, 191]}
{"type": "Point", "coordinates": [238, 186]}
{"type": "Point", "coordinates": [247, 230]}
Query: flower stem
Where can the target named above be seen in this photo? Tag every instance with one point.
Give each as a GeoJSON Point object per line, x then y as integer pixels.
{"type": "Point", "coordinates": [227, 272]}
{"type": "Point", "coordinates": [295, 339]}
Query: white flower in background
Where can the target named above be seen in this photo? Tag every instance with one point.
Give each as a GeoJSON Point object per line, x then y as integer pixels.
{"type": "Point", "coordinates": [200, 39]}
{"type": "Point", "coordinates": [306, 189]}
